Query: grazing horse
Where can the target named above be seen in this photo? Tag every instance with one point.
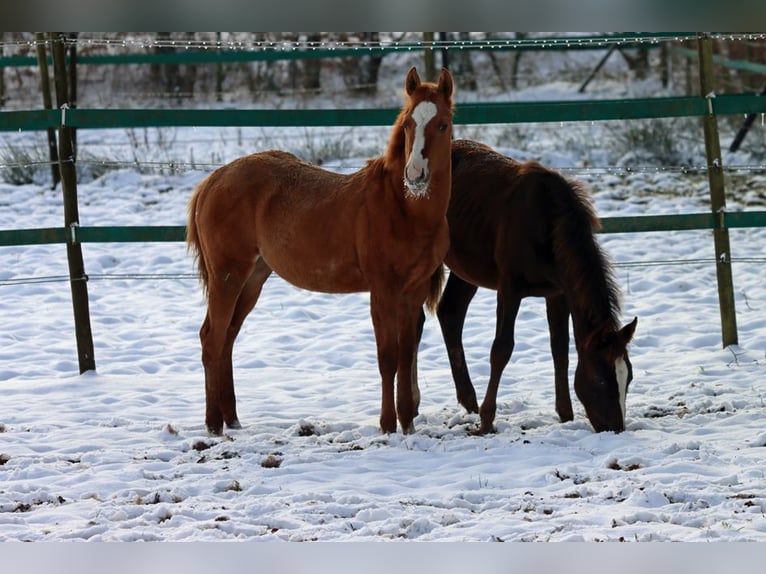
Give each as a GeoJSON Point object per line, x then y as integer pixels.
{"type": "Point", "coordinates": [526, 231]}
{"type": "Point", "coordinates": [382, 229]}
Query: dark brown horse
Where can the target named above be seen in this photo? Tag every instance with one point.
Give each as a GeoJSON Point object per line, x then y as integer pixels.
{"type": "Point", "coordinates": [382, 229]}
{"type": "Point", "coordinates": [526, 231]}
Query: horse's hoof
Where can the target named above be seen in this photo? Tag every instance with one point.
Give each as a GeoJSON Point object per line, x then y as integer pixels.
{"type": "Point", "coordinates": [214, 431]}
{"type": "Point", "coordinates": [410, 429]}
{"type": "Point", "coordinates": [565, 412]}
{"type": "Point", "coordinates": [234, 425]}
{"type": "Point", "coordinates": [470, 405]}
{"type": "Point", "coordinates": [482, 430]}
{"type": "Point", "coordinates": [388, 428]}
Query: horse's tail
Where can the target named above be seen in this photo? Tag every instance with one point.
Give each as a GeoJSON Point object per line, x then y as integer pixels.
{"type": "Point", "coordinates": [435, 292]}
{"type": "Point", "coordinates": [192, 237]}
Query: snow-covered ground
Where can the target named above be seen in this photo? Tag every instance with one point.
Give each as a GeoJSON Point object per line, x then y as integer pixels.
{"type": "Point", "coordinates": [122, 454]}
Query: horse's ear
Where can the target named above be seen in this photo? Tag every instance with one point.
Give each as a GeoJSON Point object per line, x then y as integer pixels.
{"type": "Point", "coordinates": [412, 82]}
{"type": "Point", "coordinates": [613, 343]}
{"type": "Point", "coordinates": [627, 332]}
{"type": "Point", "coordinates": [445, 83]}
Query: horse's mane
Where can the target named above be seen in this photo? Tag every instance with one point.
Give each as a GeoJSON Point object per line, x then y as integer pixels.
{"type": "Point", "coordinates": [395, 149]}
{"type": "Point", "coordinates": [594, 292]}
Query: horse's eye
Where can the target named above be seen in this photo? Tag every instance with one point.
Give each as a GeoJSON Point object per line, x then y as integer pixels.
{"type": "Point", "coordinates": [443, 127]}
{"type": "Point", "coordinates": [406, 125]}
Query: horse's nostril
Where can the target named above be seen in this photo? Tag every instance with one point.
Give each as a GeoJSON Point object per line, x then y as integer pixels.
{"type": "Point", "coordinates": [415, 176]}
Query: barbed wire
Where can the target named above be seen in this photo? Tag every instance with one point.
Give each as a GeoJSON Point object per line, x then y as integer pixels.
{"type": "Point", "coordinates": [194, 277]}
{"type": "Point", "coordinates": [186, 166]}
{"type": "Point", "coordinates": [306, 44]}
{"type": "Point", "coordinates": [100, 277]}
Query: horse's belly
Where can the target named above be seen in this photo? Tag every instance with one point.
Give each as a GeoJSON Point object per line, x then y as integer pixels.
{"type": "Point", "coordinates": [326, 275]}
{"type": "Point", "coordinates": [476, 271]}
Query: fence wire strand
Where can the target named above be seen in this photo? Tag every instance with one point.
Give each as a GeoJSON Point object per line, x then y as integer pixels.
{"type": "Point", "coordinates": [184, 166]}
{"type": "Point", "coordinates": [194, 277]}
{"type": "Point", "coordinates": [304, 44]}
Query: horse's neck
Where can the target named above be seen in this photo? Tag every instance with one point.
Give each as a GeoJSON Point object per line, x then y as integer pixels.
{"type": "Point", "coordinates": [586, 327]}
{"type": "Point", "coordinates": [592, 305]}
{"type": "Point", "coordinates": [585, 276]}
{"type": "Point", "coordinates": [432, 209]}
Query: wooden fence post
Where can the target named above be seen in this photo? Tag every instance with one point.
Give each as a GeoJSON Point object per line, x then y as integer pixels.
{"type": "Point", "coordinates": [2, 71]}
{"type": "Point", "coordinates": [717, 196]}
{"type": "Point", "coordinates": [428, 55]}
{"type": "Point", "coordinates": [746, 125]}
{"type": "Point", "coordinates": [45, 87]}
{"type": "Point", "coordinates": [77, 277]}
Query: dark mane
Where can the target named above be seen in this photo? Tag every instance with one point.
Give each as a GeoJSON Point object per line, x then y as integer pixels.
{"type": "Point", "coordinates": [593, 291]}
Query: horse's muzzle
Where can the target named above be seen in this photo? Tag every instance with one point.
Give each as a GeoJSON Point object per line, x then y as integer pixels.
{"type": "Point", "coordinates": [416, 189]}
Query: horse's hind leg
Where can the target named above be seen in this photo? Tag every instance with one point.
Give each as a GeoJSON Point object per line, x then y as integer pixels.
{"type": "Point", "coordinates": [220, 308]}
{"type": "Point", "coordinates": [248, 297]}
{"type": "Point", "coordinates": [415, 387]}
{"type": "Point", "coordinates": [557, 312]}
{"type": "Point", "coordinates": [451, 313]}
{"type": "Point", "coordinates": [230, 299]}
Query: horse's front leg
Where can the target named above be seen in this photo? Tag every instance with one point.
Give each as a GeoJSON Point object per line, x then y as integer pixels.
{"type": "Point", "coordinates": [508, 301]}
{"type": "Point", "coordinates": [557, 312]}
{"type": "Point", "coordinates": [384, 323]}
{"type": "Point", "coordinates": [407, 392]}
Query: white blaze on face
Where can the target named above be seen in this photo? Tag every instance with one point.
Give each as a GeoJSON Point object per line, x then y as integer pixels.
{"type": "Point", "coordinates": [416, 170]}
{"type": "Point", "coordinates": [621, 373]}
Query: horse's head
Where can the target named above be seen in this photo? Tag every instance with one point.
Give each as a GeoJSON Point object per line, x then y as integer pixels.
{"type": "Point", "coordinates": [602, 377]}
{"type": "Point", "coordinates": [426, 121]}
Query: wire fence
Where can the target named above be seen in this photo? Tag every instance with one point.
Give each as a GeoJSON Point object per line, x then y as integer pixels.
{"type": "Point", "coordinates": [406, 43]}
{"type": "Point", "coordinates": [176, 167]}
{"type": "Point", "coordinates": [16, 281]}
{"type": "Point", "coordinates": [207, 51]}
{"type": "Point", "coordinates": [95, 50]}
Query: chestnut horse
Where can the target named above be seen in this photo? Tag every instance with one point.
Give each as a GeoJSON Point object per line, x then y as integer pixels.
{"type": "Point", "coordinates": [526, 231]}
{"type": "Point", "coordinates": [382, 229]}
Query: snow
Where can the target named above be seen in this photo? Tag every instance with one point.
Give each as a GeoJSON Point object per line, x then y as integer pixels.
{"type": "Point", "coordinates": [121, 454]}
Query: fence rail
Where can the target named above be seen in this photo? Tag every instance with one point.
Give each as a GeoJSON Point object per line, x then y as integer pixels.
{"type": "Point", "coordinates": [469, 113]}
{"type": "Point", "coordinates": [176, 233]}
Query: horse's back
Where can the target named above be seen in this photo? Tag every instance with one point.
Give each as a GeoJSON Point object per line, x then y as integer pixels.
{"type": "Point", "coordinates": [502, 215]}
{"type": "Point", "coordinates": [300, 218]}
{"type": "Point", "coordinates": [266, 174]}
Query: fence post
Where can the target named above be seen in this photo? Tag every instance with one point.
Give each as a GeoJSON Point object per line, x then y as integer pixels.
{"type": "Point", "coordinates": [45, 86]}
{"type": "Point", "coordinates": [77, 277]}
{"type": "Point", "coordinates": [717, 196]}
{"type": "Point", "coordinates": [428, 54]}
{"type": "Point", "coordinates": [2, 70]}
